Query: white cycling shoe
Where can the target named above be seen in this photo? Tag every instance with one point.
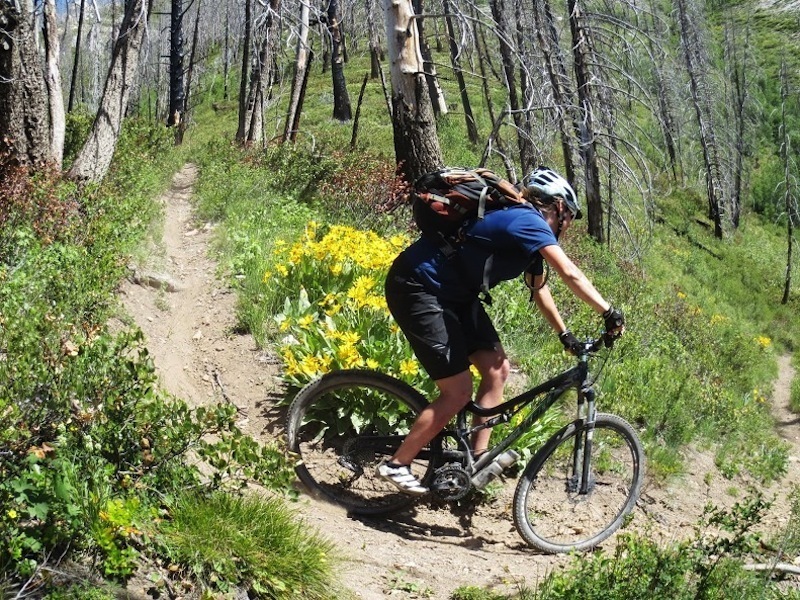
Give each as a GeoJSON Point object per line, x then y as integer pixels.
{"type": "Point", "coordinates": [402, 478]}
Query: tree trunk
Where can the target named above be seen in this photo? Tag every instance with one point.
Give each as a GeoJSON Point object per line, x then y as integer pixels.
{"type": "Point", "coordinates": [74, 81]}
{"type": "Point", "coordinates": [507, 53]}
{"type": "Point", "coordinates": [94, 158]}
{"type": "Point", "coordinates": [416, 142]}
{"type": "Point", "coordinates": [375, 52]}
{"type": "Point", "coordinates": [55, 94]}
{"type": "Point", "coordinates": [262, 75]}
{"type": "Point", "coordinates": [176, 71]}
{"type": "Point", "coordinates": [705, 126]}
{"type": "Point", "coordinates": [342, 110]}
{"type": "Point", "coordinates": [434, 89]}
{"type": "Point", "coordinates": [241, 132]}
{"type": "Point", "coordinates": [189, 74]}
{"type": "Point", "coordinates": [472, 129]}
{"type": "Point", "coordinates": [227, 52]}
{"type": "Point", "coordinates": [24, 113]}
{"type": "Point", "coordinates": [547, 35]}
{"type": "Point", "coordinates": [582, 51]}
{"type": "Point", "coordinates": [302, 60]}
{"type": "Point", "coordinates": [789, 199]}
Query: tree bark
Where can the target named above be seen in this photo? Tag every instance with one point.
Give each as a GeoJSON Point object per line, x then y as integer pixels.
{"type": "Point", "coordinates": [547, 35]}
{"type": "Point", "coordinates": [342, 110]}
{"type": "Point", "coordinates": [472, 129]}
{"type": "Point", "coordinates": [302, 60]}
{"type": "Point", "coordinates": [435, 92]}
{"type": "Point", "coordinates": [176, 71]}
{"type": "Point", "coordinates": [581, 51]}
{"type": "Point", "coordinates": [241, 132]}
{"type": "Point", "coordinates": [705, 125]}
{"type": "Point", "coordinates": [507, 51]}
{"type": "Point", "coordinates": [94, 158]}
{"type": "Point", "coordinates": [55, 94]}
{"type": "Point", "coordinates": [375, 51]}
{"type": "Point", "coordinates": [74, 81]}
{"type": "Point", "coordinates": [24, 110]}
{"type": "Point", "coordinates": [262, 74]}
{"type": "Point", "coordinates": [416, 142]}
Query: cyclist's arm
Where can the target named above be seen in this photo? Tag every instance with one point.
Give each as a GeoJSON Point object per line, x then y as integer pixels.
{"type": "Point", "coordinates": [546, 305]}
{"type": "Point", "coordinates": [574, 278]}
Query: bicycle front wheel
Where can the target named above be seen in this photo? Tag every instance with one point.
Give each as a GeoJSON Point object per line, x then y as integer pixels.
{"type": "Point", "coordinates": [342, 426]}
{"type": "Point", "coordinates": [564, 502]}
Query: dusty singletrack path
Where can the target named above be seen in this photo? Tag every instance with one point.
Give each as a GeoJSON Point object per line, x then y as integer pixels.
{"type": "Point", "coordinates": [428, 551]}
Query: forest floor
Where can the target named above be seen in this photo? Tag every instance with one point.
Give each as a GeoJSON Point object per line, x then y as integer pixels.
{"type": "Point", "coordinates": [188, 317]}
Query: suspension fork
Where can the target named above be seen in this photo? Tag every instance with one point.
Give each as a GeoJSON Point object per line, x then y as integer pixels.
{"type": "Point", "coordinates": [582, 454]}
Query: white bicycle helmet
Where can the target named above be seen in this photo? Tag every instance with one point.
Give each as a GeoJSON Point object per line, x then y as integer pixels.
{"type": "Point", "coordinates": [549, 183]}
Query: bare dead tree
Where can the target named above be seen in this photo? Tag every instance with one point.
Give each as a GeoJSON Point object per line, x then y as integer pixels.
{"type": "Point", "coordinates": [94, 158]}
{"type": "Point", "coordinates": [416, 141]}
{"type": "Point", "coordinates": [302, 61]}
{"type": "Point", "coordinates": [177, 85]}
{"type": "Point", "coordinates": [241, 132]}
{"type": "Point", "coordinates": [342, 110]}
{"type": "Point", "coordinates": [434, 88]}
{"type": "Point", "coordinates": [455, 51]}
{"type": "Point", "coordinates": [508, 51]}
{"type": "Point", "coordinates": [24, 107]}
{"type": "Point", "coordinates": [376, 54]}
{"type": "Point", "coordinates": [790, 197]}
{"type": "Point", "coordinates": [76, 58]}
{"type": "Point", "coordinates": [696, 63]}
{"type": "Point", "coordinates": [55, 96]}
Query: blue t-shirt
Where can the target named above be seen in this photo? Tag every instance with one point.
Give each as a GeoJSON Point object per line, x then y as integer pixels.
{"type": "Point", "coordinates": [511, 238]}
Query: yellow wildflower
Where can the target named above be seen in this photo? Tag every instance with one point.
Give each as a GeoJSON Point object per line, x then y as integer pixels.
{"type": "Point", "coordinates": [409, 367]}
{"type": "Point", "coordinates": [764, 342]}
{"type": "Point", "coordinates": [282, 269]}
{"type": "Point", "coordinates": [304, 321]}
{"type": "Point", "coordinates": [372, 363]}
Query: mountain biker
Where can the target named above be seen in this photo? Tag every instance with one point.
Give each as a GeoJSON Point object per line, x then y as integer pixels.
{"type": "Point", "coordinates": [434, 296]}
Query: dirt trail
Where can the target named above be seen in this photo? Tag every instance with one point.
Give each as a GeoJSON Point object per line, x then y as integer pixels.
{"type": "Point", "coordinates": [429, 551]}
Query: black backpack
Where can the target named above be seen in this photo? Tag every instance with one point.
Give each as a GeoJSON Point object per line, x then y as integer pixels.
{"type": "Point", "coordinates": [444, 200]}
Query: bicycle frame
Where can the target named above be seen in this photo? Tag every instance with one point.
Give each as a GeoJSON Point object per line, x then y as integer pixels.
{"type": "Point", "coordinates": [552, 389]}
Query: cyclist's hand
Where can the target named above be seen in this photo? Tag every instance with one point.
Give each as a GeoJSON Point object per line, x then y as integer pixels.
{"type": "Point", "coordinates": [614, 322]}
{"type": "Point", "coordinates": [571, 343]}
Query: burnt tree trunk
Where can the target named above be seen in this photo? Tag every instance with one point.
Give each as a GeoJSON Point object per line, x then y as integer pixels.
{"type": "Point", "coordinates": [55, 96]}
{"type": "Point", "coordinates": [302, 60]}
{"type": "Point", "coordinates": [582, 53]}
{"type": "Point", "coordinates": [24, 107]}
{"type": "Point", "coordinates": [342, 110]}
{"type": "Point", "coordinates": [94, 158]}
{"type": "Point", "coordinates": [472, 129]}
{"type": "Point", "coordinates": [77, 59]}
{"type": "Point", "coordinates": [416, 142]}
{"type": "Point", "coordinates": [241, 131]}
{"type": "Point", "coordinates": [176, 71]}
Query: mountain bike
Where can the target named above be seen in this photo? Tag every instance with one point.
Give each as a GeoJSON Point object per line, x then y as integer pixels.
{"type": "Point", "coordinates": [575, 491]}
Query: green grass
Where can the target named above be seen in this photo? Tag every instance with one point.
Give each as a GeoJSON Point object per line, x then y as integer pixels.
{"type": "Point", "coordinates": [254, 543]}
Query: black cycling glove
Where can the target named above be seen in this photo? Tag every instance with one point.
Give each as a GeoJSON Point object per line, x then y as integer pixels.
{"type": "Point", "coordinates": [614, 320]}
{"type": "Point", "coordinates": [571, 343]}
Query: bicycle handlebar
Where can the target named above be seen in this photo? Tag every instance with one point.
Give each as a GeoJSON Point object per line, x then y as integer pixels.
{"type": "Point", "coordinates": [606, 339]}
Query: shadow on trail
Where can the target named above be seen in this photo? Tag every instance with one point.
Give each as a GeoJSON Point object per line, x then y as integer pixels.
{"type": "Point", "coordinates": [437, 521]}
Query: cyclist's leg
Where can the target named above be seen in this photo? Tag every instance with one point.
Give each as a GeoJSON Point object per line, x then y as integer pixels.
{"type": "Point", "coordinates": [454, 393]}
{"type": "Point", "coordinates": [494, 369]}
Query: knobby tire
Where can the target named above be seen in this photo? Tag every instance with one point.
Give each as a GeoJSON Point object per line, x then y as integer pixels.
{"type": "Point", "coordinates": [342, 426]}
{"type": "Point", "coordinates": [552, 515]}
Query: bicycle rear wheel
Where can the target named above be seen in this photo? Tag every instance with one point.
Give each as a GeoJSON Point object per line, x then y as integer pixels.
{"type": "Point", "coordinates": [552, 512]}
{"type": "Point", "coordinates": [342, 426]}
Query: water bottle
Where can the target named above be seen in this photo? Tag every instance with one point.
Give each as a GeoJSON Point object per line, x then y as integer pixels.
{"type": "Point", "coordinates": [492, 470]}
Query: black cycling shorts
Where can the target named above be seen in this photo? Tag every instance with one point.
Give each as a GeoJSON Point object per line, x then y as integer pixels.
{"type": "Point", "coordinates": [442, 335]}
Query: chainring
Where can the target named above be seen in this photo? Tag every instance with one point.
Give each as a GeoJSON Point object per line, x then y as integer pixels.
{"type": "Point", "coordinates": [451, 482]}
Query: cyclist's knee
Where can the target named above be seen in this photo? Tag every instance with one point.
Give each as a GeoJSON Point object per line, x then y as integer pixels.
{"type": "Point", "coordinates": [457, 388]}
{"type": "Point", "coordinates": [496, 370]}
